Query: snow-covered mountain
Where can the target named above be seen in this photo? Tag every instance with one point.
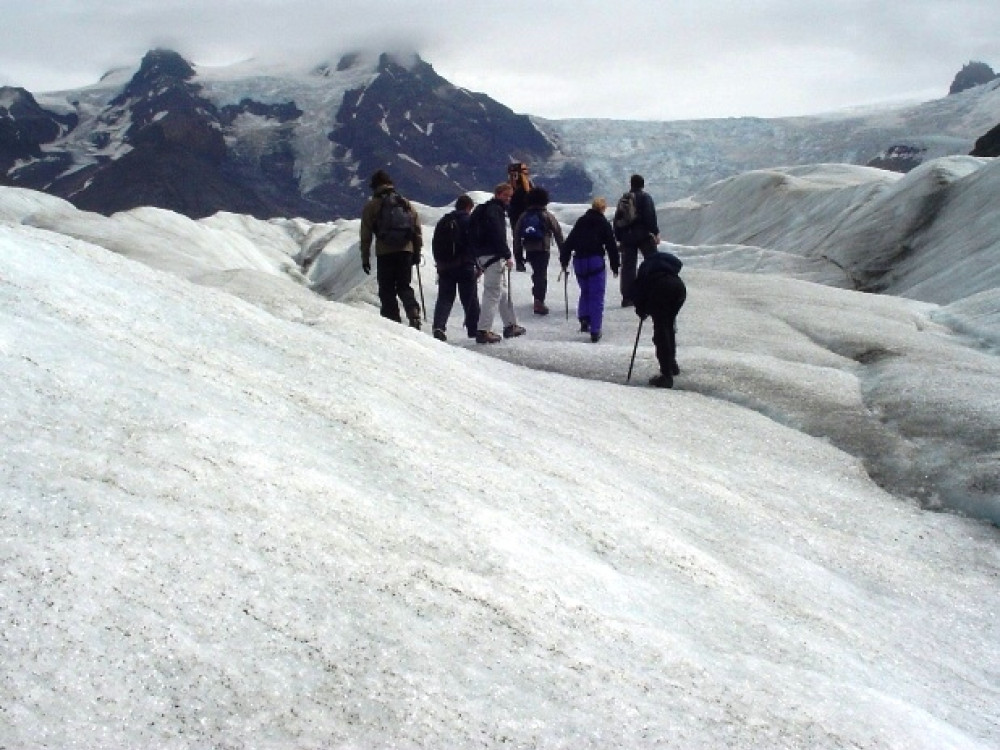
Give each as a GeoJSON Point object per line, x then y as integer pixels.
{"type": "Point", "coordinates": [268, 142]}
{"type": "Point", "coordinates": [682, 157]}
{"type": "Point", "coordinates": [234, 513]}
{"type": "Point", "coordinates": [302, 143]}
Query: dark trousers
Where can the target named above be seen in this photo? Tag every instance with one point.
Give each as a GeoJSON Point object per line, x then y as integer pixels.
{"type": "Point", "coordinates": [626, 274]}
{"type": "Point", "coordinates": [665, 301]}
{"type": "Point", "coordinates": [539, 260]}
{"type": "Point", "coordinates": [394, 273]}
{"type": "Point", "coordinates": [462, 280]}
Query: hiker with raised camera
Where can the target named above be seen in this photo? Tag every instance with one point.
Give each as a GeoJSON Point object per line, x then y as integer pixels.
{"type": "Point", "coordinates": [519, 179]}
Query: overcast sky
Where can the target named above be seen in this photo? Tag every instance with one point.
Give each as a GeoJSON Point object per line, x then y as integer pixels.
{"type": "Point", "coordinates": [660, 59]}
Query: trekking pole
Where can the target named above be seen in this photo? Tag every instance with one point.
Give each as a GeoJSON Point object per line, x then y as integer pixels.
{"type": "Point", "coordinates": [510, 296]}
{"type": "Point", "coordinates": [634, 349]}
{"type": "Point", "coordinates": [420, 286]}
{"type": "Point", "coordinates": [566, 291]}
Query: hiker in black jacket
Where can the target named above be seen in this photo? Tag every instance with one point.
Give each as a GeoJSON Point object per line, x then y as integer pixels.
{"type": "Point", "coordinates": [457, 269]}
{"type": "Point", "coordinates": [660, 293]}
{"type": "Point", "coordinates": [642, 235]}
{"type": "Point", "coordinates": [588, 241]}
{"type": "Point", "coordinates": [488, 234]}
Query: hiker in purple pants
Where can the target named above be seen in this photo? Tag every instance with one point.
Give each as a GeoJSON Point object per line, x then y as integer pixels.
{"type": "Point", "coordinates": [591, 237]}
{"type": "Point", "coordinates": [593, 280]}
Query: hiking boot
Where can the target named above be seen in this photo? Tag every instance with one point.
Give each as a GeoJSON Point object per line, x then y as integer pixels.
{"type": "Point", "coordinates": [628, 303]}
{"type": "Point", "coordinates": [513, 330]}
{"type": "Point", "coordinates": [661, 381]}
{"type": "Point", "coordinates": [487, 337]}
{"type": "Point", "coordinates": [584, 325]}
{"type": "Point", "coordinates": [472, 333]}
{"type": "Point", "coordinates": [415, 323]}
{"type": "Point", "coordinates": [540, 308]}
{"type": "Point", "coordinates": [674, 369]}
{"type": "Point", "coordinates": [595, 336]}
{"type": "Point", "coordinates": [440, 335]}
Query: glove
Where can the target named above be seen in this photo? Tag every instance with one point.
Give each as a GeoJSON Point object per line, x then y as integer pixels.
{"type": "Point", "coordinates": [416, 259]}
{"type": "Point", "coordinates": [366, 266]}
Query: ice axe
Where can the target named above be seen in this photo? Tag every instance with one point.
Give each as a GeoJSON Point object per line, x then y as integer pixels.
{"type": "Point", "coordinates": [565, 275]}
{"type": "Point", "coordinates": [420, 286]}
{"type": "Point", "coordinates": [634, 349]}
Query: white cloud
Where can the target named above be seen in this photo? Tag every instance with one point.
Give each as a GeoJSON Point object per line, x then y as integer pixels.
{"type": "Point", "coordinates": [560, 59]}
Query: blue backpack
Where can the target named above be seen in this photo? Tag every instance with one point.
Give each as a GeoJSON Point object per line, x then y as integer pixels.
{"type": "Point", "coordinates": [532, 231]}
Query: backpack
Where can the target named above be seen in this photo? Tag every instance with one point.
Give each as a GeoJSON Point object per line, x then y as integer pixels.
{"type": "Point", "coordinates": [394, 224]}
{"type": "Point", "coordinates": [532, 228]}
{"type": "Point", "coordinates": [446, 243]}
{"type": "Point", "coordinates": [626, 213]}
{"type": "Point", "coordinates": [477, 229]}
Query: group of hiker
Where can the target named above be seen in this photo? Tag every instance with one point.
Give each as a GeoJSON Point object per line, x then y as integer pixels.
{"type": "Point", "coordinates": [471, 243]}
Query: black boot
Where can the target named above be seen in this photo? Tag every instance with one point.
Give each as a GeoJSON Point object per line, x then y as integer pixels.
{"type": "Point", "coordinates": [661, 381]}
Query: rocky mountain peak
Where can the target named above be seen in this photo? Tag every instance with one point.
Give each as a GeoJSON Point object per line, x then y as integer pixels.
{"type": "Point", "coordinates": [159, 68]}
{"type": "Point", "coordinates": [164, 63]}
{"type": "Point", "coordinates": [973, 73]}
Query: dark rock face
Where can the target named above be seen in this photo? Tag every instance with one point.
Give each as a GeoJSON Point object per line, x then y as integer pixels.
{"type": "Point", "coordinates": [467, 139]}
{"type": "Point", "coordinates": [25, 127]}
{"type": "Point", "coordinates": [899, 158]}
{"type": "Point", "coordinates": [989, 144]}
{"type": "Point", "coordinates": [161, 141]}
{"type": "Point", "coordinates": [972, 74]}
{"type": "Point", "coordinates": [436, 140]}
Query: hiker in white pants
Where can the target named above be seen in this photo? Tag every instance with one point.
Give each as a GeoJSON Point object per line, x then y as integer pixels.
{"type": "Point", "coordinates": [496, 298]}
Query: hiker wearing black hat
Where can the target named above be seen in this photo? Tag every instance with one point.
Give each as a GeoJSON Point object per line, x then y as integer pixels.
{"type": "Point", "coordinates": [393, 224]}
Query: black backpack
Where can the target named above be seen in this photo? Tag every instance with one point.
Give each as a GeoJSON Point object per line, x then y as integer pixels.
{"type": "Point", "coordinates": [394, 224]}
{"type": "Point", "coordinates": [477, 229]}
{"type": "Point", "coordinates": [446, 244]}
